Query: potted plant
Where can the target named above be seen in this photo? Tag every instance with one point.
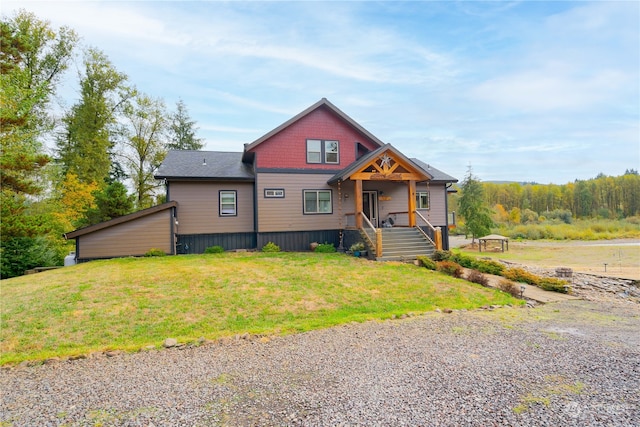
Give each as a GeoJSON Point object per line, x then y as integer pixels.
{"type": "Point", "coordinates": [357, 248]}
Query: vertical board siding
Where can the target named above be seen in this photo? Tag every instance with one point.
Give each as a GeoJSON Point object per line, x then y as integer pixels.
{"type": "Point", "coordinates": [299, 241]}
{"type": "Point", "coordinates": [199, 211]}
{"type": "Point", "coordinates": [133, 238]}
{"type": "Point", "coordinates": [286, 214]}
{"type": "Point", "coordinates": [197, 243]}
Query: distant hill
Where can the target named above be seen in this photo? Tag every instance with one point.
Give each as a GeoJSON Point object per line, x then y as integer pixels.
{"type": "Point", "coordinates": [513, 182]}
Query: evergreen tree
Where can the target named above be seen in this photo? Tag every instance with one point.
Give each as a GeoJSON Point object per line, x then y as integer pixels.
{"type": "Point", "coordinates": [182, 130]}
{"type": "Point", "coordinates": [110, 202]}
{"type": "Point", "coordinates": [473, 208]}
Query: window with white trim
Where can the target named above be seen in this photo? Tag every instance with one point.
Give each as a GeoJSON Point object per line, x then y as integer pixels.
{"type": "Point", "coordinates": [274, 193]}
{"type": "Point", "coordinates": [317, 202]}
{"type": "Point", "coordinates": [228, 203]}
{"type": "Point", "coordinates": [321, 151]}
{"type": "Point", "coordinates": [422, 200]}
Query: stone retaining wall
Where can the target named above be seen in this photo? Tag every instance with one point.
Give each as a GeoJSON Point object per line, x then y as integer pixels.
{"type": "Point", "coordinates": [591, 286]}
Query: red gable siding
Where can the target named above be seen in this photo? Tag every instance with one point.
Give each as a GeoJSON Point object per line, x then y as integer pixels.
{"type": "Point", "coordinates": [288, 148]}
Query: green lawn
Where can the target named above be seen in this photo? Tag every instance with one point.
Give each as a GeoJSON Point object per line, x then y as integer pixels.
{"type": "Point", "coordinates": [133, 303]}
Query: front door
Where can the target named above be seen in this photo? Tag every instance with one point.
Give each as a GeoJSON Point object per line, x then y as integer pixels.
{"type": "Point", "coordinates": [370, 206]}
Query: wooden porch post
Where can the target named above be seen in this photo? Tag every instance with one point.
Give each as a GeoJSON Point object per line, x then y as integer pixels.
{"type": "Point", "coordinates": [438, 238]}
{"type": "Point", "coordinates": [412, 203]}
{"type": "Point", "coordinates": [358, 202]}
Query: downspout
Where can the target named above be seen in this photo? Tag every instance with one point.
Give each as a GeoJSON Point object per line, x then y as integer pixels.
{"type": "Point", "coordinates": [172, 233]}
{"type": "Point", "coordinates": [255, 198]}
{"type": "Point", "coordinates": [446, 216]}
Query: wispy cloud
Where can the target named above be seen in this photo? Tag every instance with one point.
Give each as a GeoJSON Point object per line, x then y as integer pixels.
{"type": "Point", "coordinates": [522, 85]}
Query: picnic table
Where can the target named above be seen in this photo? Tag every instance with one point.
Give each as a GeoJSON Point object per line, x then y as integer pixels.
{"type": "Point", "coordinates": [493, 238]}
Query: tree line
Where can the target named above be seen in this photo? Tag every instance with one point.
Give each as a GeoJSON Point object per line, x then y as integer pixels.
{"type": "Point", "coordinates": [102, 151]}
{"type": "Point", "coordinates": [602, 196]}
{"type": "Point", "coordinates": [483, 205]}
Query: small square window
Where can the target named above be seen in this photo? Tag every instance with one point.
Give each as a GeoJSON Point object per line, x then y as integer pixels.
{"type": "Point", "coordinates": [274, 193]}
{"type": "Point", "coordinates": [422, 200]}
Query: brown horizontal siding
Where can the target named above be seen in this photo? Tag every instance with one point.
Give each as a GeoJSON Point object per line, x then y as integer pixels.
{"type": "Point", "coordinates": [132, 238]}
{"type": "Point", "coordinates": [286, 214]}
{"type": "Point", "coordinates": [199, 212]}
{"type": "Point", "coordinates": [437, 214]}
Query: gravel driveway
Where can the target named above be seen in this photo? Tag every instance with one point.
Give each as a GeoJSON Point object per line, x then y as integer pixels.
{"type": "Point", "coordinates": [574, 363]}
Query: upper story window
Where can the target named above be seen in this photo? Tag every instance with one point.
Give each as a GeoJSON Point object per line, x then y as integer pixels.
{"type": "Point", "coordinates": [422, 200]}
{"type": "Point", "coordinates": [228, 203]}
{"type": "Point", "coordinates": [323, 151]}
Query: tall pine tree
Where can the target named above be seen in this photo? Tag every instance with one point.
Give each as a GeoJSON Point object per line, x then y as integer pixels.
{"type": "Point", "coordinates": [182, 130]}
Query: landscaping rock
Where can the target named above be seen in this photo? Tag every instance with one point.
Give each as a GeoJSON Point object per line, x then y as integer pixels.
{"type": "Point", "coordinates": [170, 342]}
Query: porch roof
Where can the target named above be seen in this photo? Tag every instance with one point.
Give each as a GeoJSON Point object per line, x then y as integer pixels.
{"type": "Point", "coordinates": [438, 175]}
{"type": "Point", "coordinates": [429, 172]}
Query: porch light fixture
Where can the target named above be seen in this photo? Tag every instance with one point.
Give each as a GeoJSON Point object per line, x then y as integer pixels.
{"type": "Point", "coordinates": [522, 289]}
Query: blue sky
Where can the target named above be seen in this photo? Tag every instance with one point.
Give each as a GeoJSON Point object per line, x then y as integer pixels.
{"type": "Point", "coordinates": [525, 91]}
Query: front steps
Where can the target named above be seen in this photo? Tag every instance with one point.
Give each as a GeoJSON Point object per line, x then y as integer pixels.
{"type": "Point", "coordinates": [403, 244]}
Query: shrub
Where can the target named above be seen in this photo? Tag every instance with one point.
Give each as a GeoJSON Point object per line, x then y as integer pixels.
{"type": "Point", "coordinates": [325, 248]}
{"type": "Point", "coordinates": [555, 285]}
{"type": "Point", "coordinates": [358, 246]}
{"type": "Point", "coordinates": [563, 215]}
{"type": "Point", "coordinates": [509, 287]}
{"type": "Point", "coordinates": [449, 267]}
{"type": "Point", "coordinates": [440, 255]}
{"type": "Point", "coordinates": [463, 260]}
{"type": "Point", "coordinates": [271, 247]}
{"type": "Point", "coordinates": [489, 267]}
{"type": "Point", "coordinates": [484, 266]}
{"type": "Point", "coordinates": [427, 262]}
{"type": "Point", "coordinates": [154, 252]}
{"type": "Point", "coordinates": [521, 275]}
{"type": "Point", "coordinates": [214, 250]}
{"type": "Point", "coordinates": [476, 277]}
{"type": "Point", "coordinates": [19, 254]}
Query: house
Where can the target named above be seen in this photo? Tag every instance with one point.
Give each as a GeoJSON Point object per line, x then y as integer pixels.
{"type": "Point", "coordinates": [318, 177]}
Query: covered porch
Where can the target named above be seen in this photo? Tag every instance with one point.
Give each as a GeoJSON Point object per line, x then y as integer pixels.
{"type": "Point", "coordinates": [380, 192]}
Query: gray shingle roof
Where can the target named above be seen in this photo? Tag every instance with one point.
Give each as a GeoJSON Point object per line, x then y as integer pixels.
{"type": "Point", "coordinates": [214, 165]}
{"type": "Point", "coordinates": [437, 174]}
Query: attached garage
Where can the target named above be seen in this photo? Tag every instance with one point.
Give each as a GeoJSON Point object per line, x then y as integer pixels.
{"type": "Point", "coordinates": [130, 235]}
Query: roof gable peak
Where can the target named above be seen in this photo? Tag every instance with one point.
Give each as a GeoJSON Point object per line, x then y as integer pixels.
{"type": "Point", "coordinates": [322, 103]}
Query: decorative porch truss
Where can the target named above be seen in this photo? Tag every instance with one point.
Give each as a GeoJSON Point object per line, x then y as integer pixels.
{"type": "Point", "coordinates": [384, 164]}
